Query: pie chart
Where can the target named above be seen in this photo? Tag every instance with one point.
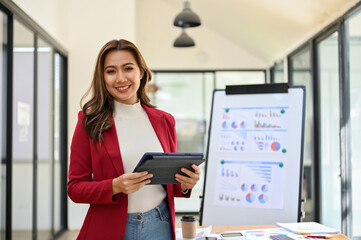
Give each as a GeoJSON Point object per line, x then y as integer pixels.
{"type": "Point", "coordinates": [244, 187]}
{"type": "Point", "coordinates": [262, 198]}
{"type": "Point", "coordinates": [250, 197]}
{"type": "Point", "coordinates": [254, 187]}
{"type": "Point", "coordinates": [275, 146]}
{"type": "Point", "coordinates": [264, 188]}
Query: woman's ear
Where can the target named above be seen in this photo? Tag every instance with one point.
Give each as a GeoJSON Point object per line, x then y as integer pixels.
{"type": "Point", "coordinates": [141, 74]}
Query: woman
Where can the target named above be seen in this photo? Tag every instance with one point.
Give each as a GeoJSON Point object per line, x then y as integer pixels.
{"type": "Point", "coordinates": [115, 127]}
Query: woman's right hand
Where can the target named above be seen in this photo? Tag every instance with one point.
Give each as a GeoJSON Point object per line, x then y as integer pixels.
{"type": "Point", "coordinates": [130, 182]}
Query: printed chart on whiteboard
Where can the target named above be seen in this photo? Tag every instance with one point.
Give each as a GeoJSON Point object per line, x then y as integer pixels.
{"type": "Point", "coordinates": [252, 180]}
{"type": "Point", "coordinates": [253, 171]}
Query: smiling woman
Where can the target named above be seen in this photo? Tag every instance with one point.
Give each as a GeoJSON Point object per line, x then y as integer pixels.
{"type": "Point", "coordinates": [115, 128]}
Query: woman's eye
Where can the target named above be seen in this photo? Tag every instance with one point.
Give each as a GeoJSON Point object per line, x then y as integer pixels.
{"type": "Point", "coordinates": [128, 68]}
{"type": "Point", "coordinates": [110, 71]}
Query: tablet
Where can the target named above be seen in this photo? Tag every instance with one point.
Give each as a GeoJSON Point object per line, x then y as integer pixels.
{"type": "Point", "coordinates": [164, 166]}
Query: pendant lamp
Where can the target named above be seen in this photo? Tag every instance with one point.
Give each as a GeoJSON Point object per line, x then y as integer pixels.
{"type": "Point", "coordinates": [187, 18]}
{"type": "Point", "coordinates": [183, 40]}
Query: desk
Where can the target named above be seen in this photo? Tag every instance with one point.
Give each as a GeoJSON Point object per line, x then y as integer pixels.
{"type": "Point", "coordinates": [217, 229]}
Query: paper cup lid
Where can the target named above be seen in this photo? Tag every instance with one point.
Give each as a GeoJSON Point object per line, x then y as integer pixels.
{"type": "Point", "coordinates": [189, 219]}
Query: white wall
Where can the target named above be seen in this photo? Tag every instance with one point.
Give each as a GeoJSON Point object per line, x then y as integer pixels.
{"type": "Point", "coordinates": [50, 15]}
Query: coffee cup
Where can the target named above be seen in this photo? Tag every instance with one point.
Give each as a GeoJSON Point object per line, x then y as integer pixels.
{"type": "Point", "coordinates": [189, 226]}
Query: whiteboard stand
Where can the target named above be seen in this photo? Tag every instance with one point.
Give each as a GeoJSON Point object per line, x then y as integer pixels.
{"type": "Point", "coordinates": [254, 157]}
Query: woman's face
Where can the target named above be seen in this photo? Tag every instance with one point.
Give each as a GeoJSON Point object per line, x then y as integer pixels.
{"type": "Point", "coordinates": [122, 76]}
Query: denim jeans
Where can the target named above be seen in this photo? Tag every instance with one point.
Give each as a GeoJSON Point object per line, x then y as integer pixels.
{"type": "Point", "coordinates": [150, 225]}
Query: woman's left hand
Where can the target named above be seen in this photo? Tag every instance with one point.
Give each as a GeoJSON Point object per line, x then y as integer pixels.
{"type": "Point", "coordinates": [191, 181]}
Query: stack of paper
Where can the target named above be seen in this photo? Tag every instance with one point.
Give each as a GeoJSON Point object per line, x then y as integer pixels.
{"type": "Point", "coordinates": [266, 233]}
{"type": "Point", "coordinates": [307, 228]}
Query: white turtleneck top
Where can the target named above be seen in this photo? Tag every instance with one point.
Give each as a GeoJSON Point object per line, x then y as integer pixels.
{"type": "Point", "coordinates": [137, 136]}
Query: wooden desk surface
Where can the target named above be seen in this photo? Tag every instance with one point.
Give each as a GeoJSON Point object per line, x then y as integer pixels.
{"type": "Point", "coordinates": [218, 229]}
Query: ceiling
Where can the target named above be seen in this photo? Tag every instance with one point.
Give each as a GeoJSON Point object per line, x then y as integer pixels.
{"type": "Point", "coordinates": [267, 28]}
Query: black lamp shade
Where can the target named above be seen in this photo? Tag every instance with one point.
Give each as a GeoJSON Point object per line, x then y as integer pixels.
{"type": "Point", "coordinates": [187, 18]}
{"type": "Point", "coordinates": [184, 40]}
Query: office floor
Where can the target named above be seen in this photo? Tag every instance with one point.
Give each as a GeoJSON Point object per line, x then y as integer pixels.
{"type": "Point", "coordinates": [71, 235]}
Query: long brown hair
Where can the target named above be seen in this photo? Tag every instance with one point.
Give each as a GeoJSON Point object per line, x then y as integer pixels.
{"type": "Point", "coordinates": [99, 109]}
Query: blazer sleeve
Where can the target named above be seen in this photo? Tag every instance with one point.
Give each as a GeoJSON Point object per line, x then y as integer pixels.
{"type": "Point", "coordinates": [81, 186]}
{"type": "Point", "coordinates": [173, 147]}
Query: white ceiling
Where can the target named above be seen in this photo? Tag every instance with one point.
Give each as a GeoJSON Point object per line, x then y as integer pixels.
{"type": "Point", "coordinates": [267, 28]}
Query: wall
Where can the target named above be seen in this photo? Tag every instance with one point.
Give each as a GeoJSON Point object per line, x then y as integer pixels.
{"type": "Point", "coordinates": [54, 20]}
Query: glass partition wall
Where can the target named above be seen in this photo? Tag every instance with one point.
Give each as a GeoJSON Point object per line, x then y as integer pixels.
{"type": "Point", "coordinates": [33, 142]}
{"type": "Point", "coordinates": [59, 138]}
{"type": "Point", "coordinates": [224, 78]}
{"type": "Point", "coordinates": [328, 65]}
{"type": "Point", "coordinates": [329, 95]}
{"type": "Point", "coordinates": [300, 73]}
{"type": "Point", "coordinates": [278, 73]}
{"type": "Point", "coordinates": [23, 132]}
{"type": "Point", "coordinates": [354, 42]}
{"type": "Point", "coordinates": [45, 134]}
{"type": "Point", "coordinates": [182, 95]}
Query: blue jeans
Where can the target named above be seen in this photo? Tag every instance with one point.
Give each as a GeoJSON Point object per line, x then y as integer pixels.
{"type": "Point", "coordinates": [153, 224]}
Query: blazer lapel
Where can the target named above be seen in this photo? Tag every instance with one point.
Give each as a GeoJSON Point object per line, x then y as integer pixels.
{"type": "Point", "coordinates": [111, 143]}
{"type": "Point", "coordinates": [112, 147]}
{"type": "Point", "coordinates": [157, 120]}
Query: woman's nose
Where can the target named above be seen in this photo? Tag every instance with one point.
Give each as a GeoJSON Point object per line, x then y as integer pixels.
{"type": "Point", "coordinates": [121, 77]}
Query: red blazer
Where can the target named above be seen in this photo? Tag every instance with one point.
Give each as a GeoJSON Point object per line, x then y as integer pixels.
{"type": "Point", "coordinates": [91, 172]}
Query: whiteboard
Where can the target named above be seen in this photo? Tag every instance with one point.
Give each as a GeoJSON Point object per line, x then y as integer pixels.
{"type": "Point", "coordinates": [254, 158]}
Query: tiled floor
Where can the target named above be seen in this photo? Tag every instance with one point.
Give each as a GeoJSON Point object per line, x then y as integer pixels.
{"type": "Point", "coordinates": [72, 234]}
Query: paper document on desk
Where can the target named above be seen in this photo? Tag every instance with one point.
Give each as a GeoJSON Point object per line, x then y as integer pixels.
{"type": "Point", "coordinates": [307, 228]}
{"type": "Point", "coordinates": [201, 232]}
{"type": "Point", "coordinates": [266, 233]}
